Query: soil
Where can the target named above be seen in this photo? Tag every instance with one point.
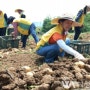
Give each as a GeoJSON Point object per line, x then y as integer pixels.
{"type": "Point", "coordinates": [38, 75]}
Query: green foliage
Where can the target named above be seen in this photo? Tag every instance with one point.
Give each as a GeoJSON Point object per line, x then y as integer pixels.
{"type": "Point", "coordinates": [47, 24]}
{"type": "Point", "coordinates": [86, 27]}
{"type": "Point", "coordinates": [38, 30]}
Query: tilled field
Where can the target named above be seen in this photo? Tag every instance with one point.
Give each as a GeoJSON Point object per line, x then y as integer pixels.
{"type": "Point", "coordinates": [22, 69]}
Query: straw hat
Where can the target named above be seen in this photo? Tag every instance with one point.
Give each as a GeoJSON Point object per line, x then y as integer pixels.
{"type": "Point", "coordinates": [19, 10]}
{"type": "Point", "coordinates": [55, 21]}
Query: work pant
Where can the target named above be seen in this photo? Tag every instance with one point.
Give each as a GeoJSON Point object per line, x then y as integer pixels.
{"type": "Point", "coordinates": [77, 32]}
{"type": "Point", "coordinates": [52, 51]}
{"type": "Point", "coordinates": [24, 40]}
{"type": "Point", "coordinates": [32, 31]}
{"type": "Point", "coordinates": [3, 31]}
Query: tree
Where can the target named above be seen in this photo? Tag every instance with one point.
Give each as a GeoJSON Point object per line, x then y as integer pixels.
{"type": "Point", "coordinates": [47, 24]}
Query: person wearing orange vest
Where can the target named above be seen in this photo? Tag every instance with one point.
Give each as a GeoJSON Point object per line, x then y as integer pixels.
{"type": "Point", "coordinates": [54, 42]}
{"type": "Point", "coordinates": [24, 27]}
{"type": "Point", "coordinates": [3, 23]}
{"type": "Point", "coordinates": [80, 18]}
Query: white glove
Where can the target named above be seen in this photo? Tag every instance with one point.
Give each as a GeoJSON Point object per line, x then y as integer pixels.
{"type": "Point", "coordinates": [79, 56]}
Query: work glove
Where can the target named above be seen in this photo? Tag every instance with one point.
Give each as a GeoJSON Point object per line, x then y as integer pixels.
{"type": "Point", "coordinates": [79, 56]}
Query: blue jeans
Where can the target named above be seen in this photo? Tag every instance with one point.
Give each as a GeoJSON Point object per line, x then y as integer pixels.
{"type": "Point", "coordinates": [50, 52]}
{"type": "Point", "coordinates": [32, 31]}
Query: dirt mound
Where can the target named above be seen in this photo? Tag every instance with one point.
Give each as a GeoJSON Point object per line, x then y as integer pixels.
{"type": "Point", "coordinates": [60, 74]}
{"type": "Point", "coordinates": [22, 69]}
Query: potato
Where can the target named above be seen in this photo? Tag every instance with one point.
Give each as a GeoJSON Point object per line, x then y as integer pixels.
{"type": "Point", "coordinates": [29, 74]}
{"type": "Point", "coordinates": [87, 77]}
{"type": "Point", "coordinates": [26, 68]}
{"type": "Point", "coordinates": [80, 64]}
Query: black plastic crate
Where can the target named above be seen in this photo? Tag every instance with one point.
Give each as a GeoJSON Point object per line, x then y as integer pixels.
{"type": "Point", "coordinates": [81, 46]}
{"type": "Point", "coordinates": [7, 41]}
{"type": "Point", "coordinates": [9, 31]}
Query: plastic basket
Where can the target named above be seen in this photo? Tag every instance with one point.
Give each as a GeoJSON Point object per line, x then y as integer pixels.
{"type": "Point", "coordinates": [9, 31]}
{"type": "Point", "coordinates": [7, 41]}
{"type": "Point", "coordinates": [81, 46]}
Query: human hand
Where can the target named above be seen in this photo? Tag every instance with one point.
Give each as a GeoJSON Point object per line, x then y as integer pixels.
{"type": "Point", "coordinates": [79, 56]}
{"type": "Point", "coordinates": [13, 35]}
{"type": "Point", "coordinates": [82, 26]}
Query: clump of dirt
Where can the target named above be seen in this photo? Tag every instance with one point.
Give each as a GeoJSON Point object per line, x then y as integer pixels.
{"type": "Point", "coordinates": [22, 69]}
{"type": "Point", "coordinates": [46, 76]}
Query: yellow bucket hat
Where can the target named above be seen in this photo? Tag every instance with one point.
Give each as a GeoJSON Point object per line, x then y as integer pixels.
{"type": "Point", "coordinates": [55, 21]}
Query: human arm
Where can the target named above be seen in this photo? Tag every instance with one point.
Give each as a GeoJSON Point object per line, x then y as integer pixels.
{"type": "Point", "coordinates": [15, 26]}
{"type": "Point", "coordinates": [57, 38]}
{"type": "Point", "coordinates": [79, 15]}
{"type": "Point", "coordinates": [5, 16]}
{"type": "Point", "coordinates": [69, 50]}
